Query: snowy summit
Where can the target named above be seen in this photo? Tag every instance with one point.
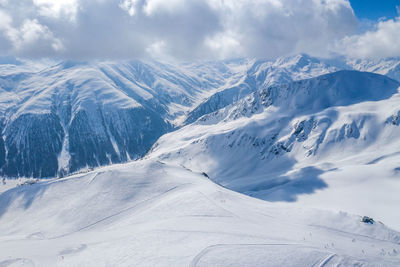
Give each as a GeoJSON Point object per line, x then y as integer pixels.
{"type": "Point", "coordinates": [199, 133]}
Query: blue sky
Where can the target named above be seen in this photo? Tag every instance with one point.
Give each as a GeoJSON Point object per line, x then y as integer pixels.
{"type": "Point", "coordinates": [375, 9]}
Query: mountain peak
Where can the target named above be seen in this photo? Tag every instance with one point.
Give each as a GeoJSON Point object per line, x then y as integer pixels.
{"type": "Point", "coordinates": [340, 88]}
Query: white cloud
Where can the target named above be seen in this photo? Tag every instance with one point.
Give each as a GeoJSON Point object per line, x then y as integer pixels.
{"type": "Point", "coordinates": [29, 37]}
{"type": "Point", "coordinates": [57, 8]}
{"type": "Point", "coordinates": [159, 50]}
{"type": "Point", "coordinates": [180, 29]}
{"type": "Point", "coordinates": [224, 45]}
{"type": "Point", "coordinates": [272, 28]}
{"type": "Point", "coordinates": [129, 6]}
{"type": "Point", "coordinates": [151, 7]}
{"type": "Point", "coordinates": [382, 41]}
{"type": "Point", "coordinates": [33, 32]}
{"type": "Point", "coordinates": [5, 20]}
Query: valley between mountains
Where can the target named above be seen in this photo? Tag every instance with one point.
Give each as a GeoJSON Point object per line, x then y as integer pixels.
{"type": "Point", "coordinates": [227, 163]}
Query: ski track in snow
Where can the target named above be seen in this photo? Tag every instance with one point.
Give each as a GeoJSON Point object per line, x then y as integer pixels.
{"type": "Point", "coordinates": [321, 150]}
{"type": "Point", "coordinates": [186, 221]}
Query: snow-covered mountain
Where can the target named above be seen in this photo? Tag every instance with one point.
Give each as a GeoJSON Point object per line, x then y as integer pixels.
{"type": "Point", "coordinates": [288, 142]}
{"type": "Point", "coordinates": [75, 115]}
{"type": "Point", "coordinates": [264, 73]}
{"type": "Point", "coordinates": [316, 139]}
{"type": "Point", "coordinates": [59, 118]}
{"type": "Point", "coordinates": [261, 74]}
{"type": "Point", "coordinates": [148, 213]}
{"type": "Point", "coordinates": [389, 67]}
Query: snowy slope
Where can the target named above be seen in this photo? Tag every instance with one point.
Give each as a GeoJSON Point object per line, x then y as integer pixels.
{"type": "Point", "coordinates": [60, 118]}
{"type": "Point", "coordinates": [309, 142]}
{"type": "Point", "coordinates": [389, 66]}
{"type": "Point", "coordinates": [76, 115]}
{"type": "Point", "coordinates": [261, 74]}
{"type": "Point", "coordinates": [148, 213]}
{"type": "Point", "coordinates": [322, 152]}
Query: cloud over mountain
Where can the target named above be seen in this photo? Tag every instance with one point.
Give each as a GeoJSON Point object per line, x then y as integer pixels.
{"type": "Point", "coordinates": [178, 29]}
{"type": "Point", "coordinates": [381, 41]}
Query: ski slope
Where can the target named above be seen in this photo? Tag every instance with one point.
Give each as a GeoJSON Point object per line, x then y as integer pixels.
{"type": "Point", "coordinates": [148, 213]}
{"type": "Point", "coordinates": [273, 165]}
{"type": "Point", "coordinates": [329, 142]}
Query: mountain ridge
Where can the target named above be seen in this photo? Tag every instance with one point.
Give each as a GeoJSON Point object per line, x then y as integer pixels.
{"type": "Point", "coordinates": [278, 145]}
{"type": "Point", "coordinates": [99, 113]}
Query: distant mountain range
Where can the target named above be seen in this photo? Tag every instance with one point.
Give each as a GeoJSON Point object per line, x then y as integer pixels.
{"type": "Point", "coordinates": [319, 140]}
{"type": "Point", "coordinates": [59, 118]}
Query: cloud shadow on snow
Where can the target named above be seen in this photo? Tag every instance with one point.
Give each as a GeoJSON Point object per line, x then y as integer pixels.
{"type": "Point", "coordinates": [287, 188]}
{"type": "Point", "coordinates": [24, 195]}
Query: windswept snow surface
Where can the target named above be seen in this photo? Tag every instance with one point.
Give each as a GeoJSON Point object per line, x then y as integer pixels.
{"type": "Point", "coordinates": [148, 213]}
{"type": "Point", "coordinates": [318, 154]}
